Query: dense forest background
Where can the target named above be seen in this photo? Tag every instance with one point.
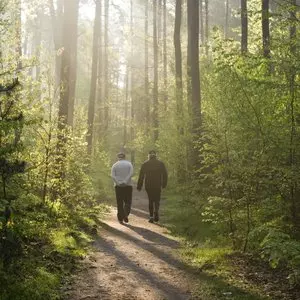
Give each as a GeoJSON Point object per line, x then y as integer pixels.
{"type": "Point", "coordinates": [212, 85]}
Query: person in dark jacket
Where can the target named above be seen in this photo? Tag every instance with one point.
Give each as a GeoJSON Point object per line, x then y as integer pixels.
{"type": "Point", "coordinates": [154, 173]}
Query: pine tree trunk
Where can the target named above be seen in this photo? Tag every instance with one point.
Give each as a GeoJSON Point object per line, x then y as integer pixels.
{"type": "Point", "coordinates": [206, 27]}
{"type": "Point", "coordinates": [201, 15]}
{"type": "Point", "coordinates": [36, 41]}
{"type": "Point", "coordinates": [292, 77]}
{"type": "Point", "coordinates": [18, 34]}
{"type": "Point", "coordinates": [100, 89]}
{"type": "Point", "coordinates": [165, 61]}
{"type": "Point", "coordinates": [178, 57]}
{"type": "Point", "coordinates": [155, 80]}
{"type": "Point", "coordinates": [57, 24]}
{"type": "Point", "coordinates": [69, 35]}
{"type": "Point", "coordinates": [73, 72]}
{"type": "Point", "coordinates": [132, 134]}
{"type": "Point", "coordinates": [193, 76]}
{"type": "Point", "coordinates": [106, 68]}
{"type": "Point", "coordinates": [244, 26]}
{"type": "Point", "coordinates": [265, 28]}
{"type": "Point", "coordinates": [91, 107]}
{"type": "Point", "coordinates": [226, 31]}
{"type": "Point", "coordinates": [146, 86]}
{"type": "Point", "coordinates": [126, 106]}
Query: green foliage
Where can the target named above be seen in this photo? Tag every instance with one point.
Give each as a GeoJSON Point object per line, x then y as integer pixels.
{"type": "Point", "coordinates": [53, 211]}
{"type": "Point", "coordinates": [39, 284]}
{"type": "Point", "coordinates": [245, 193]}
{"type": "Point", "coordinates": [100, 170]}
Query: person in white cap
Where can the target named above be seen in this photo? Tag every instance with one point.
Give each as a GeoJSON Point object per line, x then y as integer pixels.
{"type": "Point", "coordinates": [121, 173]}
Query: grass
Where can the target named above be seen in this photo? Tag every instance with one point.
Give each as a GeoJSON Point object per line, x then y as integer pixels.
{"type": "Point", "coordinates": [51, 247]}
{"type": "Point", "coordinates": [206, 252]}
{"type": "Point", "coordinates": [216, 276]}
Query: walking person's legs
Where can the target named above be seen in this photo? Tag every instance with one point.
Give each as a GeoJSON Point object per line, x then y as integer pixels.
{"type": "Point", "coordinates": [120, 203]}
{"type": "Point", "coordinates": [156, 200]}
{"type": "Point", "coordinates": [151, 204]}
{"type": "Point", "coordinates": [127, 202]}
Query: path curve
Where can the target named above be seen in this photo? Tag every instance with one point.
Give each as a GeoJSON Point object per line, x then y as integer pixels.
{"type": "Point", "coordinates": [133, 261]}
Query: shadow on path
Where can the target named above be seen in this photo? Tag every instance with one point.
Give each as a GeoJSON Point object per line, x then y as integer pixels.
{"type": "Point", "coordinates": [212, 281]}
{"type": "Point", "coordinates": [168, 289]}
{"type": "Point", "coordinates": [144, 245]}
{"type": "Point", "coordinates": [139, 213]}
{"type": "Point", "coordinates": [138, 262]}
{"type": "Point", "coordinates": [153, 236]}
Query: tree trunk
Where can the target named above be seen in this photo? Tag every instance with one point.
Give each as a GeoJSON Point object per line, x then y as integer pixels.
{"type": "Point", "coordinates": [244, 26]}
{"type": "Point", "coordinates": [155, 79]}
{"type": "Point", "coordinates": [206, 26]}
{"type": "Point", "coordinates": [37, 41]}
{"type": "Point", "coordinates": [100, 89]}
{"type": "Point", "coordinates": [69, 34]}
{"type": "Point", "coordinates": [147, 98]}
{"type": "Point", "coordinates": [126, 106]}
{"type": "Point", "coordinates": [226, 30]}
{"type": "Point", "coordinates": [19, 34]}
{"type": "Point", "coordinates": [193, 77]}
{"type": "Point", "coordinates": [292, 77]}
{"type": "Point", "coordinates": [106, 68]}
{"type": "Point", "coordinates": [178, 57]}
{"type": "Point", "coordinates": [91, 109]}
{"type": "Point", "coordinates": [73, 73]}
{"type": "Point", "coordinates": [201, 15]}
{"type": "Point", "coordinates": [265, 28]}
{"type": "Point", "coordinates": [132, 152]}
{"type": "Point", "coordinates": [165, 67]}
{"type": "Point", "coordinates": [57, 24]}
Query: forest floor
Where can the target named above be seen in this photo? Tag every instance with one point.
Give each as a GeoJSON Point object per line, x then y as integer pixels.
{"type": "Point", "coordinates": [140, 261]}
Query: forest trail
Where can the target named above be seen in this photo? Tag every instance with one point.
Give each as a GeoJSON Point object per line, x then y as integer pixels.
{"type": "Point", "coordinates": [133, 261]}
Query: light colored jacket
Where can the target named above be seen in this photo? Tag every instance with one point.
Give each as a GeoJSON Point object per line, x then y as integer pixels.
{"type": "Point", "coordinates": [121, 173]}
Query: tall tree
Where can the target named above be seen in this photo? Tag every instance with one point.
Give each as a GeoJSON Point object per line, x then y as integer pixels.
{"type": "Point", "coordinates": [126, 105]}
{"type": "Point", "coordinates": [265, 28]}
{"type": "Point", "coordinates": [201, 16]}
{"type": "Point", "coordinates": [73, 75]}
{"type": "Point", "coordinates": [57, 28]}
{"type": "Point", "coordinates": [146, 84]}
{"type": "Point", "coordinates": [294, 190]}
{"type": "Point", "coordinates": [132, 152]}
{"type": "Point", "coordinates": [178, 56]}
{"type": "Point", "coordinates": [18, 34]}
{"type": "Point", "coordinates": [165, 61]}
{"type": "Point", "coordinates": [206, 26]}
{"type": "Point", "coordinates": [37, 38]}
{"type": "Point", "coordinates": [69, 35]}
{"type": "Point", "coordinates": [93, 85]}
{"type": "Point", "coordinates": [244, 26]}
{"type": "Point", "coordinates": [226, 30]}
{"type": "Point", "coordinates": [100, 89]}
{"type": "Point", "coordinates": [106, 67]}
{"type": "Point", "coordinates": [155, 75]}
{"type": "Point", "coordinates": [193, 73]}
{"type": "Point", "coordinates": [73, 71]}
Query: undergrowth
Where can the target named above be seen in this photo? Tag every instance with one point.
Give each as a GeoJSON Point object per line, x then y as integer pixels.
{"type": "Point", "coordinates": [49, 248]}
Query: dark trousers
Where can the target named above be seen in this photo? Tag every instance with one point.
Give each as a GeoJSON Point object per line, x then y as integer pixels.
{"type": "Point", "coordinates": [154, 200]}
{"type": "Point", "coordinates": [124, 199]}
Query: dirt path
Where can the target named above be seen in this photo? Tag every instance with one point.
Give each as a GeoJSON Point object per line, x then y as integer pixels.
{"type": "Point", "coordinates": [132, 261]}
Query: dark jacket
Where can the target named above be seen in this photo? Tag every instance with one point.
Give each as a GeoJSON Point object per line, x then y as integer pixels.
{"type": "Point", "coordinates": [155, 174]}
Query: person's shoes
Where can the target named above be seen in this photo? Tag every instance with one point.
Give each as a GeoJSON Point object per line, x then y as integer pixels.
{"type": "Point", "coordinates": [126, 219]}
{"type": "Point", "coordinates": [156, 219]}
{"type": "Point", "coordinates": [121, 222]}
{"type": "Point", "coordinates": [151, 220]}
